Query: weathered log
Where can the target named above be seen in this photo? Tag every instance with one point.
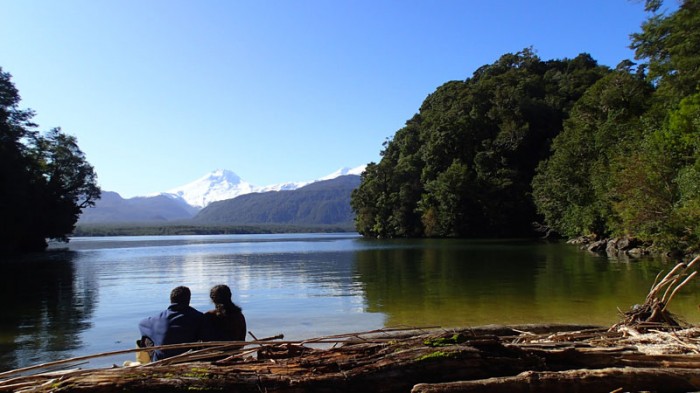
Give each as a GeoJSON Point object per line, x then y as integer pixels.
{"type": "Point", "coordinates": [377, 365]}
{"type": "Point", "coordinates": [600, 380]}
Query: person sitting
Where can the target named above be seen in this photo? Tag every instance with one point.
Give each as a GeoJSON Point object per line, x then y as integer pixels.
{"type": "Point", "coordinates": [226, 321]}
{"type": "Point", "coordinates": [179, 323]}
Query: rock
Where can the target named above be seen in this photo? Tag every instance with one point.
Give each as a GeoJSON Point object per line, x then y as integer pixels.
{"type": "Point", "coordinates": [612, 248]}
{"type": "Point", "coordinates": [623, 243]}
{"type": "Point", "coordinates": [598, 246]}
{"type": "Point", "coordinates": [636, 252]}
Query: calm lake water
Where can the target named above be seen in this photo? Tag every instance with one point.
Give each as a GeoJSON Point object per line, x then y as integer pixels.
{"type": "Point", "coordinates": [90, 298]}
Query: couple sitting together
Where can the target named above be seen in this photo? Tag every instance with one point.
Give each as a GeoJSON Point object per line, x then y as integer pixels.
{"type": "Point", "coordinates": [180, 323]}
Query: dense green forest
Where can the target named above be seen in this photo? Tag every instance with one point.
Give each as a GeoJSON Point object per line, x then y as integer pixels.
{"type": "Point", "coordinates": [45, 180]}
{"type": "Point", "coordinates": [580, 148]}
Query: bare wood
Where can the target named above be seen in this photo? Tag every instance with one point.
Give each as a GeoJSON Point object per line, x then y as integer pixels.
{"type": "Point", "coordinates": [693, 274]}
{"type": "Point", "coordinates": [373, 364]}
{"type": "Point", "coordinates": [602, 380]}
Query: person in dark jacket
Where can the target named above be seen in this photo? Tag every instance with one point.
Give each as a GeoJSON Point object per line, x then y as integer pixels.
{"type": "Point", "coordinates": [226, 321]}
{"type": "Point", "coordinates": [179, 323]}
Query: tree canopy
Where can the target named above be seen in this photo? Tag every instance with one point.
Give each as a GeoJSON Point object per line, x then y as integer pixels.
{"type": "Point", "coordinates": [463, 165]}
{"type": "Point", "coordinates": [580, 148]}
{"type": "Point", "coordinates": [639, 175]}
{"type": "Point", "coordinates": [45, 180]}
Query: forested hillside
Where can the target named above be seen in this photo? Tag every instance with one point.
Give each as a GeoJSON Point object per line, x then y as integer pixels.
{"type": "Point", "coordinates": [578, 147]}
{"type": "Point", "coordinates": [320, 203]}
{"type": "Point", "coordinates": [463, 165]}
{"type": "Point", "coordinates": [628, 160]}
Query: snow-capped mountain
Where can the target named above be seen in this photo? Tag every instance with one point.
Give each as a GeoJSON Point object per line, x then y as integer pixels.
{"type": "Point", "coordinates": [215, 186]}
{"type": "Point", "coordinates": [224, 184]}
{"type": "Point", "coordinates": [183, 203]}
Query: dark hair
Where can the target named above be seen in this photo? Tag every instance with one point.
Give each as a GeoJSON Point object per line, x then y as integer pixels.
{"type": "Point", "coordinates": [221, 296]}
{"type": "Point", "coordinates": [180, 295]}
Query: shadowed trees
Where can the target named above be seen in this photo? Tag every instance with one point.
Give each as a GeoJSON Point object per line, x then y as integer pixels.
{"type": "Point", "coordinates": [45, 180]}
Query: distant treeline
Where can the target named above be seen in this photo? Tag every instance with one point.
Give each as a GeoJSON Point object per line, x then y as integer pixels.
{"type": "Point", "coordinates": [185, 229]}
{"type": "Point", "coordinates": [579, 148]}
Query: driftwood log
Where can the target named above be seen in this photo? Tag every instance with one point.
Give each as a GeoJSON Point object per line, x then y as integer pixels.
{"type": "Point", "coordinates": [494, 359]}
{"type": "Point", "coordinates": [600, 380]}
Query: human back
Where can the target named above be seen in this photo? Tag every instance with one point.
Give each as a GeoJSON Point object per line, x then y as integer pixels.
{"type": "Point", "coordinates": [226, 321]}
{"type": "Point", "coordinates": [177, 324]}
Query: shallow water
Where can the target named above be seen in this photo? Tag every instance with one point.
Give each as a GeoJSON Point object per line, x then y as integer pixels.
{"type": "Point", "coordinates": [89, 299]}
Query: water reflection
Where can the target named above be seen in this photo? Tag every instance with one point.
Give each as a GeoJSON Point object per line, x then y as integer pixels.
{"type": "Point", "coordinates": [48, 304]}
{"type": "Point", "coordinates": [308, 286]}
{"type": "Point", "coordinates": [463, 283]}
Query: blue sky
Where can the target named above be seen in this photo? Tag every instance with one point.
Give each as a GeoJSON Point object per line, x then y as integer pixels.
{"type": "Point", "coordinates": [161, 92]}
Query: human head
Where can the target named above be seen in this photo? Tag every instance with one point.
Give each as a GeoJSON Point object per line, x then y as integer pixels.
{"type": "Point", "coordinates": [180, 295]}
{"type": "Point", "coordinates": [220, 294]}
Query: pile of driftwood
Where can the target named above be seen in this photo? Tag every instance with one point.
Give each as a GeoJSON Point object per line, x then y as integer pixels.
{"type": "Point", "coordinates": [653, 313]}
{"type": "Point", "coordinates": [650, 350]}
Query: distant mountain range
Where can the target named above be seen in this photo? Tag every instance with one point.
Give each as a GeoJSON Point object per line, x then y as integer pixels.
{"type": "Point", "coordinates": [112, 208]}
{"type": "Point", "coordinates": [185, 202]}
{"type": "Point", "coordinates": [223, 184]}
{"type": "Point", "coordinates": [325, 202]}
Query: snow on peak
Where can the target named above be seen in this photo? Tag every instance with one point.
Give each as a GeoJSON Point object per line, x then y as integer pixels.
{"type": "Point", "coordinates": [345, 171]}
{"type": "Point", "coordinates": [222, 175]}
{"type": "Point", "coordinates": [215, 186]}
{"type": "Point", "coordinates": [224, 184]}
{"type": "Point", "coordinates": [283, 186]}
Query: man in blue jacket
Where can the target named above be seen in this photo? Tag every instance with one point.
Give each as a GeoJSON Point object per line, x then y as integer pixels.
{"type": "Point", "coordinates": [179, 323]}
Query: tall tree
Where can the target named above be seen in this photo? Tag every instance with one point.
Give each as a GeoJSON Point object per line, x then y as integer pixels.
{"type": "Point", "coordinates": [628, 162]}
{"type": "Point", "coordinates": [45, 180]}
{"type": "Point", "coordinates": [669, 44]}
{"type": "Point", "coordinates": [657, 185]}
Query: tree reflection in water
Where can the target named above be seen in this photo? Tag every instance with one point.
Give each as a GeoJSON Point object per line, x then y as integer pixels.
{"type": "Point", "coordinates": [454, 282]}
{"type": "Point", "coordinates": [47, 306]}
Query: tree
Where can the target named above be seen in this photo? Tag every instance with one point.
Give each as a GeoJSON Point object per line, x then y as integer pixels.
{"type": "Point", "coordinates": [670, 44]}
{"type": "Point", "coordinates": [659, 186]}
{"type": "Point", "coordinates": [463, 165]}
{"type": "Point", "coordinates": [572, 187]}
{"type": "Point", "coordinates": [45, 180]}
{"type": "Point", "coordinates": [442, 202]}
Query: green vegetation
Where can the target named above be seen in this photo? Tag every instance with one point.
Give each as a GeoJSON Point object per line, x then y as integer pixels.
{"type": "Point", "coordinates": [583, 149]}
{"type": "Point", "coordinates": [463, 165]}
{"type": "Point", "coordinates": [45, 180]}
{"type": "Point", "coordinates": [145, 229]}
{"type": "Point", "coordinates": [435, 356]}
{"type": "Point", "coordinates": [628, 160]}
{"type": "Point", "coordinates": [445, 341]}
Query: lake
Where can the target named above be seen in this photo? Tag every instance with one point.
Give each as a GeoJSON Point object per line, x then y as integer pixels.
{"type": "Point", "coordinates": [90, 298]}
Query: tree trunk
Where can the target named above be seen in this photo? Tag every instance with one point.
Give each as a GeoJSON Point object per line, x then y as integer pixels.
{"type": "Point", "coordinates": [601, 380]}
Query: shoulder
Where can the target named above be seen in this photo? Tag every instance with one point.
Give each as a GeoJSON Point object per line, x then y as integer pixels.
{"type": "Point", "coordinates": [189, 312]}
{"type": "Point", "coordinates": [238, 317]}
{"type": "Point", "coordinates": [210, 316]}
